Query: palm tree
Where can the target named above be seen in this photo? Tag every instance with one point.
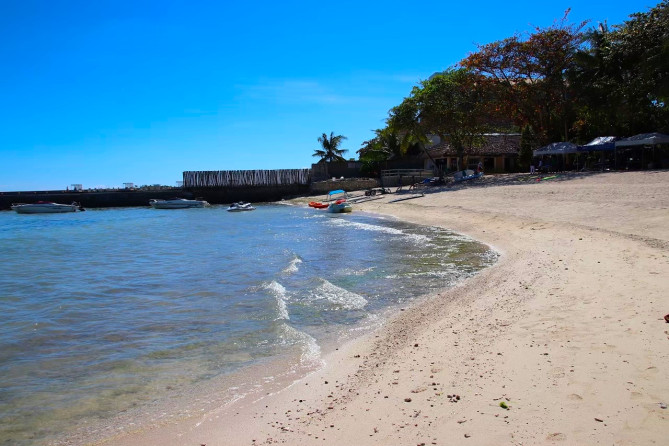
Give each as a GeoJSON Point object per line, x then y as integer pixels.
{"type": "Point", "coordinates": [330, 149]}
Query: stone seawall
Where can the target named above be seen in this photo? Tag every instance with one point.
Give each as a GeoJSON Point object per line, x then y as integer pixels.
{"type": "Point", "coordinates": [255, 194]}
{"type": "Point", "coordinates": [347, 184]}
{"type": "Point", "coordinates": [90, 199]}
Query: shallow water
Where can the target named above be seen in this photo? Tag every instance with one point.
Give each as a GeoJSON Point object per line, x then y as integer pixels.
{"type": "Point", "coordinates": [108, 310]}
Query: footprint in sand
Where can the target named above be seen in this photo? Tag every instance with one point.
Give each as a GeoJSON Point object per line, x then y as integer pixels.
{"type": "Point", "coordinates": [557, 436]}
{"type": "Point", "coordinates": [558, 372]}
{"type": "Point", "coordinates": [575, 396]}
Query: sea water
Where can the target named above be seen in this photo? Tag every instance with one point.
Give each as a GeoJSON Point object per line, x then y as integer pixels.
{"type": "Point", "coordinates": [111, 312]}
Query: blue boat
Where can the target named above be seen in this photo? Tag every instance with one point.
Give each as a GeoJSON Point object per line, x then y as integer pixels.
{"type": "Point", "coordinates": [338, 203]}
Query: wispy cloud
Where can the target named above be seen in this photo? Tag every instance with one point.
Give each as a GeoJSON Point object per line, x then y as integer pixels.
{"type": "Point", "coordinates": [295, 91]}
{"type": "Point", "coordinates": [401, 78]}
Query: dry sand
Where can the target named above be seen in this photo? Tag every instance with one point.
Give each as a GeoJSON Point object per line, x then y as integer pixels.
{"type": "Point", "coordinates": [566, 330]}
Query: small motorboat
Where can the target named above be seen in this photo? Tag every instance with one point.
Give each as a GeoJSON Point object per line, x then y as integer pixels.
{"type": "Point", "coordinates": [240, 207]}
{"type": "Point", "coordinates": [338, 203]}
{"type": "Point", "coordinates": [177, 203]}
{"type": "Point", "coordinates": [46, 207]}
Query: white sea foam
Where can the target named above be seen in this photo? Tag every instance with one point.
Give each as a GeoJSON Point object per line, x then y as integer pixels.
{"type": "Point", "coordinates": [282, 309]}
{"type": "Point", "coordinates": [279, 292]}
{"type": "Point", "coordinates": [447, 272]}
{"type": "Point", "coordinates": [292, 266]}
{"type": "Point", "coordinates": [356, 272]}
{"type": "Point", "coordinates": [311, 351]}
{"type": "Point", "coordinates": [376, 228]}
{"type": "Point", "coordinates": [339, 296]}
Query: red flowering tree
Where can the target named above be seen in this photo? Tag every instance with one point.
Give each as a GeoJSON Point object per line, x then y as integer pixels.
{"type": "Point", "coordinates": [530, 75]}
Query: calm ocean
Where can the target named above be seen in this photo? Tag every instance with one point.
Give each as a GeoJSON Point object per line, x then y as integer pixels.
{"type": "Point", "coordinates": [113, 312]}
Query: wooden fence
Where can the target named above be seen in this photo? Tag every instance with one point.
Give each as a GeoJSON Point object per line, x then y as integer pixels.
{"type": "Point", "coordinates": [245, 178]}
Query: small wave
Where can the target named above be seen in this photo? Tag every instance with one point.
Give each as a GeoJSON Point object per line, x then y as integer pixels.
{"type": "Point", "coordinates": [385, 229]}
{"type": "Point", "coordinates": [311, 351]}
{"type": "Point", "coordinates": [356, 272]}
{"type": "Point", "coordinates": [292, 266]}
{"type": "Point", "coordinates": [279, 292]}
{"type": "Point", "coordinates": [339, 296]}
{"type": "Point", "coordinates": [282, 309]}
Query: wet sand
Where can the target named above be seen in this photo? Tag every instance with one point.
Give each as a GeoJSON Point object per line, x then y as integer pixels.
{"type": "Point", "coordinates": [566, 331]}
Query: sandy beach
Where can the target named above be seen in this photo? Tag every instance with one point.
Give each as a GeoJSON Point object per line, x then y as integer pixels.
{"type": "Point", "coordinates": [563, 341]}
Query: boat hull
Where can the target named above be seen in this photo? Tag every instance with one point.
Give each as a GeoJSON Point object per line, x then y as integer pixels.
{"type": "Point", "coordinates": [53, 208]}
{"type": "Point", "coordinates": [178, 204]}
{"type": "Point", "coordinates": [242, 209]}
{"type": "Point", "coordinates": [340, 208]}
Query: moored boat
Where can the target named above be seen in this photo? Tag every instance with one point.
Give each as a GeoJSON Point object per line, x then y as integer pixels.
{"type": "Point", "coordinates": [339, 205]}
{"type": "Point", "coordinates": [240, 207]}
{"type": "Point", "coordinates": [177, 203]}
{"type": "Point", "coordinates": [45, 207]}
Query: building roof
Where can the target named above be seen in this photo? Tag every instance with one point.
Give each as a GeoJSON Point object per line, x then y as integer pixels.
{"type": "Point", "coordinates": [644, 139]}
{"type": "Point", "coordinates": [557, 148]}
{"type": "Point", "coordinates": [494, 144]}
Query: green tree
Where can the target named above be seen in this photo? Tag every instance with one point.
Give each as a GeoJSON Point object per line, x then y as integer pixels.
{"type": "Point", "coordinates": [531, 76]}
{"type": "Point", "coordinates": [527, 143]}
{"type": "Point", "coordinates": [453, 105]}
{"type": "Point", "coordinates": [386, 145]}
{"type": "Point", "coordinates": [330, 150]}
{"type": "Point", "coordinates": [621, 78]}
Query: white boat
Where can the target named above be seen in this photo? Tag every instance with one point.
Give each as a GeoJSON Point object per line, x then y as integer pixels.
{"type": "Point", "coordinates": [240, 207]}
{"type": "Point", "coordinates": [339, 205]}
{"type": "Point", "coordinates": [45, 207]}
{"type": "Point", "coordinates": [177, 203]}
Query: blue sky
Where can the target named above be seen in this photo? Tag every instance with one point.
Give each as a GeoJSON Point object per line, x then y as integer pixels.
{"type": "Point", "coordinates": [101, 93]}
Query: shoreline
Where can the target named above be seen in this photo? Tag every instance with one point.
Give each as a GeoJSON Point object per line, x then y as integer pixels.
{"type": "Point", "coordinates": [565, 329]}
{"type": "Point", "coordinates": [172, 404]}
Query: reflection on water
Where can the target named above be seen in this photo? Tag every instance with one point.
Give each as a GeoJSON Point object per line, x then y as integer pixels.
{"type": "Point", "coordinates": [109, 310]}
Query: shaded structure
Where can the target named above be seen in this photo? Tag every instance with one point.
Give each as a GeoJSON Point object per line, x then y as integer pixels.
{"type": "Point", "coordinates": [557, 157]}
{"type": "Point", "coordinates": [644, 139]}
{"type": "Point", "coordinates": [600, 144]}
{"type": "Point", "coordinates": [598, 154]}
{"type": "Point", "coordinates": [556, 148]}
{"type": "Point", "coordinates": [497, 151]}
{"type": "Point", "coordinates": [643, 151]}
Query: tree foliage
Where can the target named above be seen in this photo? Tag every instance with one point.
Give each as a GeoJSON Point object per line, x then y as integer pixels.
{"type": "Point", "coordinates": [330, 150]}
{"type": "Point", "coordinates": [621, 78]}
{"type": "Point", "coordinates": [558, 83]}
{"type": "Point", "coordinates": [529, 73]}
{"type": "Point", "coordinates": [385, 145]}
{"type": "Point", "coordinates": [527, 145]}
{"type": "Point", "coordinates": [454, 105]}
